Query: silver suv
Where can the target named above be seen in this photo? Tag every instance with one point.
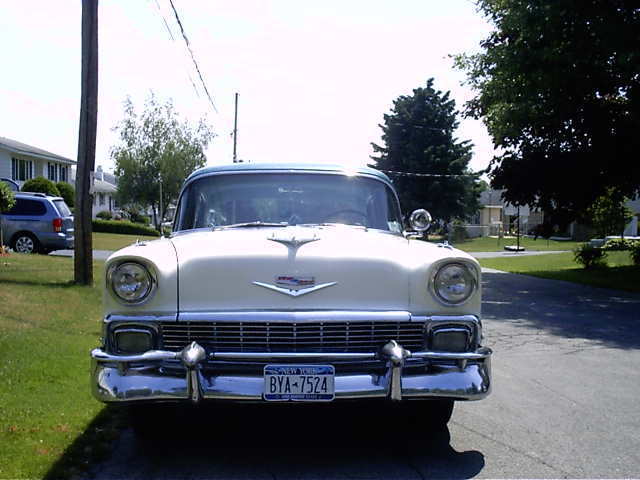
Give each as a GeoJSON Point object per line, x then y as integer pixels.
{"type": "Point", "coordinates": [38, 223]}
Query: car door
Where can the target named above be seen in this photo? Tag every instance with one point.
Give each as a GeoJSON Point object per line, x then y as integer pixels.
{"type": "Point", "coordinates": [26, 215]}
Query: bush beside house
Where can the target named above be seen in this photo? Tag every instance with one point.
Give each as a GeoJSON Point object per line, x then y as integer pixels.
{"type": "Point", "coordinates": [68, 193]}
{"type": "Point", "coordinates": [123, 227]}
{"type": "Point", "coordinates": [41, 185]}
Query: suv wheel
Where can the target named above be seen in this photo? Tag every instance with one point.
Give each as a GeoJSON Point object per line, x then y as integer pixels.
{"type": "Point", "coordinates": [25, 243]}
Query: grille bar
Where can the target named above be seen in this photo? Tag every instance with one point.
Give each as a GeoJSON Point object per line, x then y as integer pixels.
{"type": "Point", "coordinates": [360, 336]}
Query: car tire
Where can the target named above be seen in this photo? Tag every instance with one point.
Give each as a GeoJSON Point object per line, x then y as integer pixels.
{"type": "Point", "coordinates": [433, 414]}
{"type": "Point", "coordinates": [25, 243]}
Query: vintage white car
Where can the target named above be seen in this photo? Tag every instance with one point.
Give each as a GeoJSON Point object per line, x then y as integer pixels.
{"type": "Point", "coordinates": [292, 283]}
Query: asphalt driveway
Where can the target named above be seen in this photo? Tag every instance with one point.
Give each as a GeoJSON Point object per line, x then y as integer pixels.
{"type": "Point", "coordinates": [565, 404]}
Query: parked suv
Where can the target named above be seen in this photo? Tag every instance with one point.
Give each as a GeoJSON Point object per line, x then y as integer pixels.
{"type": "Point", "coordinates": [38, 223]}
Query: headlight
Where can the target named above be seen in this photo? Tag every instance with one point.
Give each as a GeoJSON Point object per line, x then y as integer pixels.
{"type": "Point", "coordinates": [454, 283]}
{"type": "Point", "coordinates": [130, 282]}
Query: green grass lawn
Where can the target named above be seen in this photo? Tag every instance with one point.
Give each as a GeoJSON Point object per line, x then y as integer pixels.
{"type": "Point", "coordinates": [115, 241]}
{"type": "Point", "coordinates": [487, 244]}
{"type": "Point", "coordinates": [620, 274]}
{"type": "Point", "coordinates": [50, 425]}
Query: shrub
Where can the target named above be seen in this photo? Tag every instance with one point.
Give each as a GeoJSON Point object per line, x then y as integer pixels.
{"type": "Point", "coordinates": [104, 215]}
{"type": "Point", "coordinates": [635, 253]}
{"type": "Point", "coordinates": [139, 218]}
{"type": "Point", "coordinates": [590, 257]}
{"type": "Point", "coordinates": [619, 244]}
{"type": "Point", "coordinates": [67, 192]}
{"type": "Point", "coordinates": [42, 185]}
{"type": "Point", "coordinates": [458, 232]}
{"type": "Point", "coordinates": [127, 228]}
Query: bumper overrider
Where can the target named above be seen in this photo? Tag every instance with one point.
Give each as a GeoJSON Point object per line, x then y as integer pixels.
{"type": "Point", "coordinates": [193, 375]}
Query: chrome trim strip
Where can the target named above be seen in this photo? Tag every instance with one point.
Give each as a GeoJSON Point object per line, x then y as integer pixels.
{"type": "Point", "coordinates": [481, 354]}
{"type": "Point", "coordinates": [156, 355]}
{"type": "Point", "coordinates": [291, 356]}
{"type": "Point", "coordinates": [151, 356]}
{"type": "Point", "coordinates": [147, 317]}
{"type": "Point", "coordinates": [294, 293]}
{"type": "Point", "coordinates": [297, 316]}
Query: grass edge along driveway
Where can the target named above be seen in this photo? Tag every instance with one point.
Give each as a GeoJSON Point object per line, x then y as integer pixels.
{"type": "Point", "coordinates": [50, 425]}
{"type": "Point", "coordinates": [620, 274]}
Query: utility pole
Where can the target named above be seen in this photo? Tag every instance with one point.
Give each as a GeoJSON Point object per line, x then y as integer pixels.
{"type": "Point", "coordinates": [235, 131]}
{"type": "Point", "coordinates": [83, 259]}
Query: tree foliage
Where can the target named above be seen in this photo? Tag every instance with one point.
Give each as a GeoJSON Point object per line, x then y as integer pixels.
{"type": "Point", "coordinates": [41, 185]}
{"type": "Point", "coordinates": [558, 86]}
{"type": "Point", "coordinates": [156, 146]}
{"type": "Point", "coordinates": [7, 198]}
{"type": "Point", "coordinates": [7, 201]}
{"type": "Point", "coordinates": [418, 137]}
{"type": "Point", "coordinates": [67, 192]}
{"type": "Point", "coordinates": [608, 214]}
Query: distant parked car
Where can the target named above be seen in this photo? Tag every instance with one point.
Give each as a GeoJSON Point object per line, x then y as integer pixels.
{"type": "Point", "coordinates": [38, 223]}
{"type": "Point", "coordinates": [12, 185]}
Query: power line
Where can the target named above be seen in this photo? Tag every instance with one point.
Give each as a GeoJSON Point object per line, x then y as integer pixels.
{"type": "Point", "coordinates": [193, 58]}
{"type": "Point", "coordinates": [443, 175]}
{"type": "Point", "coordinates": [166, 24]}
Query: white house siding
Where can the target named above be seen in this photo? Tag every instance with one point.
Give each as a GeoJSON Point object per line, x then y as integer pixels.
{"type": "Point", "coordinates": [5, 164]}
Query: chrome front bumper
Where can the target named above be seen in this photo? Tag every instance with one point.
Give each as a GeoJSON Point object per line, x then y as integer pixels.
{"type": "Point", "coordinates": [132, 378]}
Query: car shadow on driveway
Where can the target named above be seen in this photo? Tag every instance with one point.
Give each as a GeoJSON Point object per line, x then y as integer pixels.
{"type": "Point", "coordinates": [288, 441]}
{"type": "Point", "coordinates": [608, 317]}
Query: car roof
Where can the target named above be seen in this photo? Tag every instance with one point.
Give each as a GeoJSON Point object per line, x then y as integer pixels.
{"type": "Point", "coordinates": [289, 167]}
{"type": "Point", "coordinates": [37, 195]}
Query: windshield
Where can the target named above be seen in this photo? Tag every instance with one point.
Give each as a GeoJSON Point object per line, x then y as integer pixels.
{"type": "Point", "coordinates": [288, 199]}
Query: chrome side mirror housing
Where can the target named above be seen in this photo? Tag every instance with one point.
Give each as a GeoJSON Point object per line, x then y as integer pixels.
{"type": "Point", "coordinates": [420, 220]}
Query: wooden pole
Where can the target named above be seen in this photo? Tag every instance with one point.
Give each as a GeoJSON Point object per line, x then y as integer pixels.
{"type": "Point", "coordinates": [235, 132]}
{"type": "Point", "coordinates": [83, 259]}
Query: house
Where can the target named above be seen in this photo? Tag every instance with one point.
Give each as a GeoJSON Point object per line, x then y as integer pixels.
{"type": "Point", "coordinates": [104, 186]}
{"type": "Point", "coordinates": [631, 230]}
{"type": "Point", "coordinates": [497, 217]}
{"type": "Point", "coordinates": [21, 162]}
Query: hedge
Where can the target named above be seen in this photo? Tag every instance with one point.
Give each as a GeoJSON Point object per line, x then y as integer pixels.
{"type": "Point", "coordinates": [124, 227]}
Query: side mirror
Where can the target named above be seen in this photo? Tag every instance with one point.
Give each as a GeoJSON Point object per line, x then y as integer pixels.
{"type": "Point", "coordinates": [420, 220]}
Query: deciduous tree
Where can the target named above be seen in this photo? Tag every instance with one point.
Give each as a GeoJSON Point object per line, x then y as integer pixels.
{"type": "Point", "coordinates": [155, 147]}
{"type": "Point", "coordinates": [558, 86]}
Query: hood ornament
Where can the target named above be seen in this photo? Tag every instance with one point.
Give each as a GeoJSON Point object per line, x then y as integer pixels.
{"type": "Point", "coordinates": [294, 237]}
{"type": "Point", "coordinates": [294, 286]}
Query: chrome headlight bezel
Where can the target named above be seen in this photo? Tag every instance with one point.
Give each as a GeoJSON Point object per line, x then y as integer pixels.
{"type": "Point", "coordinates": [148, 271]}
{"type": "Point", "coordinates": [473, 280]}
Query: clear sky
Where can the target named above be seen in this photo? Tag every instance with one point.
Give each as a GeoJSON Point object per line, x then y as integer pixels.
{"type": "Point", "coordinates": [314, 78]}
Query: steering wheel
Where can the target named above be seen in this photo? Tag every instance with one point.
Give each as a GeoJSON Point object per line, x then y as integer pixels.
{"type": "Point", "coordinates": [348, 212]}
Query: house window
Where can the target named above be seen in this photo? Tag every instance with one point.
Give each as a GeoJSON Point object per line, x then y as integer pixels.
{"type": "Point", "coordinates": [64, 177]}
{"type": "Point", "coordinates": [21, 170]}
{"type": "Point", "coordinates": [52, 172]}
{"type": "Point", "coordinates": [101, 198]}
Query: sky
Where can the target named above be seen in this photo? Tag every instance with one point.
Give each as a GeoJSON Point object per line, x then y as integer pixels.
{"type": "Point", "coordinates": [314, 78]}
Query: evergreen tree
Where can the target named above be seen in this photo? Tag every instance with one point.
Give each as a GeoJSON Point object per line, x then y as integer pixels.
{"type": "Point", "coordinates": [418, 138]}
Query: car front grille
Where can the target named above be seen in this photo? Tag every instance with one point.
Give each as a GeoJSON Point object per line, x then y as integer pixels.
{"type": "Point", "coordinates": [361, 336]}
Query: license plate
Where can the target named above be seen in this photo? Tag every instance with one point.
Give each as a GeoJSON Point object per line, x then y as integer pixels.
{"type": "Point", "coordinates": [301, 383]}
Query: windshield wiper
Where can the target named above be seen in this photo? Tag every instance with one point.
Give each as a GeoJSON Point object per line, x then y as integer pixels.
{"type": "Point", "coordinates": [257, 223]}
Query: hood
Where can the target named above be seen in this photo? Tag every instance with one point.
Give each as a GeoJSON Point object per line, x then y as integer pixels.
{"type": "Point", "coordinates": [340, 268]}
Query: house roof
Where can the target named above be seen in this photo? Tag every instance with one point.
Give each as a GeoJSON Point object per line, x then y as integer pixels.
{"type": "Point", "coordinates": [22, 148]}
{"type": "Point", "coordinates": [100, 186]}
{"type": "Point", "coordinates": [288, 167]}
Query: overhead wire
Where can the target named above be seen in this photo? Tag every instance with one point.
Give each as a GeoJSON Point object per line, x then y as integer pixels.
{"type": "Point", "coordinates": [166, 24]}
{"type": "Point", "coordinates": [193, 58]}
